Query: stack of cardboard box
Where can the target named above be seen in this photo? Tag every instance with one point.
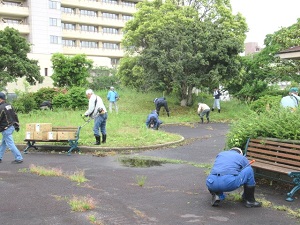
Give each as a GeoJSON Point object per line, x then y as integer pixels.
{"type": "Point", "coordinates": [45, 132]}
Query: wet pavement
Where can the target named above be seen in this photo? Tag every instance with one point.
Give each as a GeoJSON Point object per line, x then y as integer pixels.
{"type": "Point", "coordinates": [172, 194]}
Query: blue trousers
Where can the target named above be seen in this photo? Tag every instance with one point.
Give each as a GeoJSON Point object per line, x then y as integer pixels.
{"type": "Point", "coordinates": [226, 183]}
{"type": "Point", "coordinates": [100, 124]}
{"type": "Point", "coordinates": [8, 142]}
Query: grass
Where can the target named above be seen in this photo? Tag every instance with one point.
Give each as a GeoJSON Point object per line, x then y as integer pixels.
{"type": "Point", "coordinates": [78, 177]}
{"type": "Point", "coordinates": [82, 203]}
{"type": "Point", "coordinates": [141, 180]}
{"type": "Point", "coordinates": [127, 128]}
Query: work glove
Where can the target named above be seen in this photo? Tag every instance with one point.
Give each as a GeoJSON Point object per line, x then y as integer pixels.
{"type": "Point", "coordinates": [83, 116]}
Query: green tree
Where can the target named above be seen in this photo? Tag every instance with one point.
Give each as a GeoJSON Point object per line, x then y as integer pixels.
{"type": "Point", "coordinates": [70, 71]}
{"type": "Point", "coordinates": [14, 62]}
{"type": "Point", "coordinates": [180, 48]}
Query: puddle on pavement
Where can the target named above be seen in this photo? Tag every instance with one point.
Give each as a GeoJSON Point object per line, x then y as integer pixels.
{"type": "Point", "coordinates": [132, 162]}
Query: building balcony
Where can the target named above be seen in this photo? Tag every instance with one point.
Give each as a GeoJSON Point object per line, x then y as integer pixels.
{"type": "Point", "coordinates": [22, 28]}
{"type": "Point", "coordinates": [100, 21]}
{"type": "Point", "coordinates": [13, 11]}
{"type": "Point", "coordinates": [114, 53]}
{"type": "Point", "coordinates": [94, 36]}
{"type": "Point", "coordinates": [85, 4]}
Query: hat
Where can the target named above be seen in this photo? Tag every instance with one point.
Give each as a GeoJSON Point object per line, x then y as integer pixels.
{"type": "Point", "coordinates": [294, 89]}
{"type": "Point", "coordinates": [112, 88]}
{"type": "Point", "coordinates": [2, 96]}
{"type": "Point", "coordinates": [155, 99]}
{"type": "Point", "coordinates": [238, 150]}
{"type": "Point", "coordinates": [89, 91]}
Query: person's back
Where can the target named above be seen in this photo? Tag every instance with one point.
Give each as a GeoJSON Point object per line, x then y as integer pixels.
{"type": "Point", "coordinates": [152, 120]}
{"type": "Point", "coordinates": [291, 100]}
{"type": "Point", "coordinates": [161, 102]}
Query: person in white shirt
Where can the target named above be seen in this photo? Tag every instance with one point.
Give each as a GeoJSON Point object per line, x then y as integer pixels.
{"type": "Point", "coordinates": [203, 110]}
{"type": "Point", "coordinates": [97, 111]}
{"type": "Point", "coordinates": [292, 100]}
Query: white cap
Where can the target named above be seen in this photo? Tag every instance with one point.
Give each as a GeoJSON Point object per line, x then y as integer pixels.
{"type": "Point", "coordinates": [89, 91]}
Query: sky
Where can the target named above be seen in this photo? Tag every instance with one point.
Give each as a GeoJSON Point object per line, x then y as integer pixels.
{"type": "Point", "coordinates": [266, 16]}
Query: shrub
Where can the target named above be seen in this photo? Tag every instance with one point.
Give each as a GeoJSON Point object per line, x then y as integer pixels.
{"type": "Point", "coordinates": [25, 103]}
{"type": "Point", "coordinates": [265, 103]}
{"type": "Point", "coordinates": [77, 99]}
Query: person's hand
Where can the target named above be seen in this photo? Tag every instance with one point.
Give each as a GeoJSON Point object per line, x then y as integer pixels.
{"type": "Point", "coordinates": [83, 116]}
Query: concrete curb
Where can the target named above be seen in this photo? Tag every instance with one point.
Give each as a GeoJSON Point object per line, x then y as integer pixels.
{"type": "Point", "coordinates": [43, 147]}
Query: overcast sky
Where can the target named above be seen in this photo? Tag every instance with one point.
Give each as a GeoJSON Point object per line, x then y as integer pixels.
{"type": "Point", "coordinates": [266, 16]}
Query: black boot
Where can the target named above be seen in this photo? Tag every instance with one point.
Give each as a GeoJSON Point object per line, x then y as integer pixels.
{"type": "Point", "coordinates": [248, 197]}
{"type": "Point", "coordinates": [207, 120]}
{"type": "Point", "coordinates": [98, 140]}
{"type": "Point", "coordinates": [103, 138]}
{"type": "Point", "coordinates": [212, 109]}
{"type": "Point", "coordinates": [201, 120]}
{"type": "Point", "coordinates": [168, 114]}
{"type": "Point", "coordinates": [219, 110]}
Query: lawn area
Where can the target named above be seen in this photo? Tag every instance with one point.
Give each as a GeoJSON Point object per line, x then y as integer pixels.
{"type": "Point", "coordinates": [127, 128]}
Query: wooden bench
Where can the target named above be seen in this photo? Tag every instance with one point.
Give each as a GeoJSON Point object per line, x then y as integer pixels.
{"type": "Point", "coordinates": [277, 159]}
{"type": "Point", "coordinates": [72, 142]}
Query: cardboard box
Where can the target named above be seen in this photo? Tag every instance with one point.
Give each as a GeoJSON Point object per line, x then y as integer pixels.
{"type": "Point", "coordinates": [39, 127]}
{"type": "Point", "coordinates": [52, 135]}
{"type": "Point", "coordinates": [42, 136]}
{"type": "Point", "coordinates": [65, 135]}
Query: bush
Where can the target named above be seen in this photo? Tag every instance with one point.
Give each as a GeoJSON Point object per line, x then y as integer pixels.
{"type": "Point", "coordinates": [46, 94]}
{"type": "Point", "coordinates": [278, 123]}
{"type": "Point", "coordinates": [77, 99]}
{"type": "Point", "coordinates": [265, 103]}
{"type": "Point", "coordinates": [25, 103]}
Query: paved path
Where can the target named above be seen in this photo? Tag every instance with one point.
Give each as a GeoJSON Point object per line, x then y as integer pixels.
{"type": "Point", "coordinates": [173, 194]}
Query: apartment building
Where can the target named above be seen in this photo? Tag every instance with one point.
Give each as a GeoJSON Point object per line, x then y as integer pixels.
{"type": "Point", "coordinates": [92, 27]}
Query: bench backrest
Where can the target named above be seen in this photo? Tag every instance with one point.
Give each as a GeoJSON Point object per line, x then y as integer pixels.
{"type": "Point", "coordinates": [274, 152]}
{"type": "Point", "coordinates": [76, 130]}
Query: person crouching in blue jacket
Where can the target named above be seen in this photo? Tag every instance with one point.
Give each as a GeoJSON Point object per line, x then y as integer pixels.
{"type": "Point", "coordinates": [152, 120]}
{"type": "Point", "coordinates": [230, 171]}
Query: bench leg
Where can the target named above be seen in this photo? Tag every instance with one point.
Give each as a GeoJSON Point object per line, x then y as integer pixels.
{"type": "Point", "coordinates": [30, 144]}
{"type": "Point", "coordinates": [74, 145]}
{"type": "Point", "coordinates": [296, 181]}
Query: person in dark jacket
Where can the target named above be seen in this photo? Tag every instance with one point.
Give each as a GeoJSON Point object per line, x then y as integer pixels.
{"type": "Point", "coordinates": [153, 121]}
{"type": "Point", "coordinates": [230, 171]}
{"type": "Point", "coordinates": [216, 104]}
{"type": "Point", "coordinates": [46, 105]}
{"type": "Point", "coordinates": [161, 102]}
{"type": "Point", "coordinates": [9, 122]}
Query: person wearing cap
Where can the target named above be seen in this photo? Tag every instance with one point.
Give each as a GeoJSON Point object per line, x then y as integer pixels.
{"type": "Point", "coordinates": [230, 171]}
{"type": "Point", "coordinates": [203, 110]}
{"type": "Point", "coordinates": [153, 121]}
{"type": "Point", "coordinates": [216, 104]}
{"type": "Point", "coordinates": [97, 111]}
{"type": "Point", "coordinates": [9, 122]}
{"type": "Point", "coordinates": [112, 97]}
{"type": "Point", "coordinates": [161, 102]}
{"type": "Point", "coordinates": [292, 100]}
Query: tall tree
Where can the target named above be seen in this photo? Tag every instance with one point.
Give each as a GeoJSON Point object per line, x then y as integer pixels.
{"type": "Point", "coordinates": [14, 62]}
{"type": "Point", "coordinates": [70, 71]}
{"type": "Point", "coordinates": [180, 47]}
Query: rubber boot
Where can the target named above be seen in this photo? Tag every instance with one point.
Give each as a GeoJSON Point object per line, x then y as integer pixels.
{"type": "Point", "coordinates": [219, 110]}
{"type": "Point", "coordinates": [212, 109]}
{"type": "Point", "coordinates": [201, 120]}
{"type": "Point", "coordinates": [207, 120]}
{"type": "Point", "coordinates": [98, 140]}
{"type": "Point", "coordinates": [103, 138]}
{"type": "Point", "coordinates": [168, 114]}
{"type": "Point", "coordinates": [249, 197]}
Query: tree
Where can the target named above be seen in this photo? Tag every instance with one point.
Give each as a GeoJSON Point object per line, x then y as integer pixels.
{"type": "Point", "coordinates": [13, 59]}
{"type": "Point", "coordinates": [70, 71]}
{"type": "Point", "coordinates": [179, 48]}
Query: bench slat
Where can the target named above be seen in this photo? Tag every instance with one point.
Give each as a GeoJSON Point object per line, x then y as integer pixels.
{"type": "Point", "coordinates": [292, 156]}
{"type": "Point", "coordinates": [278, 147]}
{"type": "Point", "coordinates": [262, 164]}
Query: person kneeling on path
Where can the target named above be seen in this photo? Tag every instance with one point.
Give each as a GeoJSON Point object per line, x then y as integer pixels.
{"type": "Point", "coordinates": [97, 111]}
{"type": "Point", "coordinates": [203, 110]}
{"type": "Point", "coordinates": [230, 171]}
{"type": "Point", "coordinates": [161, 102]}
{"type": "Point", "coordinates": [152, 120]}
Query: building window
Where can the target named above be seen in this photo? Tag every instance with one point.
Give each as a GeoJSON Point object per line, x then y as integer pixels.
{"type": "Point", "coordinates": [127, 17]}
{"type": "Point", "coordinates": [89, 44]}
{"type": "Point", "coordinates": [54, 4]}
{"type": "Point", "coordinates": [54, 39]}
{"type": "Point", "coordinates": [111, 1]}
{"type": "Point", "coordinates": [130, 4]}
{"type": "Point", "coordinates": [88, 28]}
{"type": "Point", "coordinates": [68, 26]}
{"type": "Point", "coordinates": [68, 10]}
{"type": "Point", "coordinates": [55, 22]}
{"type": "Point", "coordinates": [107, 45]}
{"type": "Point", "coordinates": [11, 21]}
{"type": "Point", "coordinates": [110, 30]}
{"type": "Point", "coordinates": [114, 61]}
{"type": "Point", "coordinates": [12, 3]}
{"type": "Point", "coordinates": [69, 43]}
{"type": "Point", "coordinates": [110, 15]}
{"type": "Point", "coordinates": [88, 13]}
